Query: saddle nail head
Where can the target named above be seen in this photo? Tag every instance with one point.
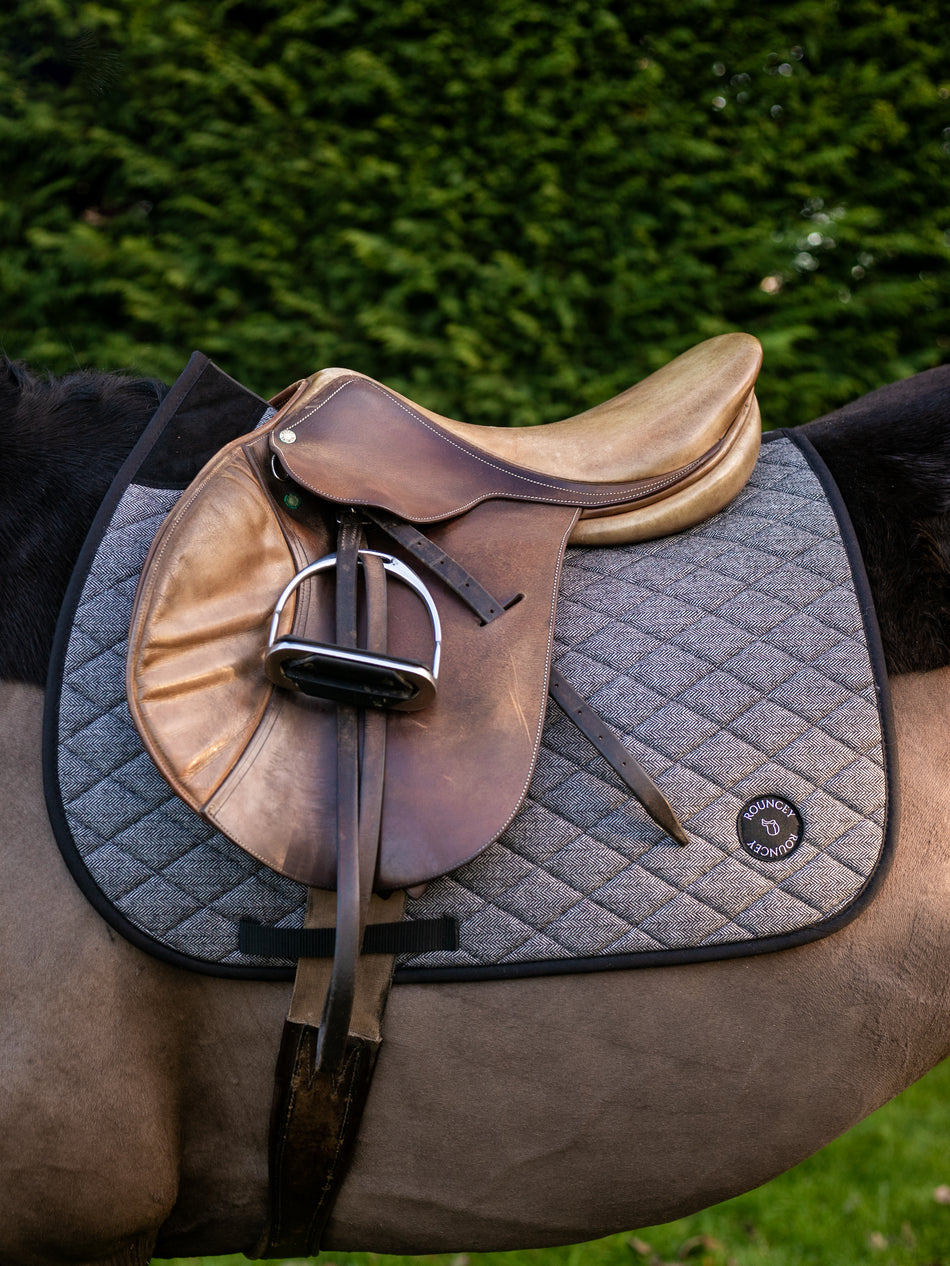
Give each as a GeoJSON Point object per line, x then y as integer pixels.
{"type": "Point", "coordinates": [291, 501]}
{"type": "Point", "coordinates": [287, 437]}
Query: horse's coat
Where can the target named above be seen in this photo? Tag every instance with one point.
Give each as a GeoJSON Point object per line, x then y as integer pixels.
{"type": "Point", "coordinates": [662, 1090]}
{"type": "Point", "coordinates": [134, 1102]}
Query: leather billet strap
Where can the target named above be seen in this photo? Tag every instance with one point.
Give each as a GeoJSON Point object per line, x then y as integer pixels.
{"type": "Point", "coordinates": [361, 769]}
{"type": "Point", "coordinates": [452, 574]}
{"type": "Point", "coordinates": [605, 740]}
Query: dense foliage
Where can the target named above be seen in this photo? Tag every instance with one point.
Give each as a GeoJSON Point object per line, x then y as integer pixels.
{"type": "Point", "coordinates": [508, 211]}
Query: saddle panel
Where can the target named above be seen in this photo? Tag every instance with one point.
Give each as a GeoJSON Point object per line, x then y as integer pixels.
{"type": "Point", "coordinates": [698, 497]}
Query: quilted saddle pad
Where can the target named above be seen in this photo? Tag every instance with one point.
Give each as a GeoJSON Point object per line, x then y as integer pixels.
{"type": "Point", "coordinates": [739, 661]}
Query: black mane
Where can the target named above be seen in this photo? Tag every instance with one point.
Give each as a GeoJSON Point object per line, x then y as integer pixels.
{"type": "Point", "coordinates": [62, 441]}
{"type": "Point", "coordinates": [889, 452]}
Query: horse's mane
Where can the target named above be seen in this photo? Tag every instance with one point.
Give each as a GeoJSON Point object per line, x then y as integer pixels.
{"type": "Point", "coordinates": [63, 439]}
{"type": "Point", "coordinates": [889, 452]}
{"type": "Point", "coordinates": [61, 442]}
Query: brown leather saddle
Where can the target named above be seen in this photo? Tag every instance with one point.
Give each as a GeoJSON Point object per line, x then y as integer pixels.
{"type": "Point", "coordinates": [340, 651]}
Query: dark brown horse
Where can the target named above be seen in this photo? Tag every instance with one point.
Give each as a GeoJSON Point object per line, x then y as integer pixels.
{"type": "Point", "coordinates": [135, 1097]}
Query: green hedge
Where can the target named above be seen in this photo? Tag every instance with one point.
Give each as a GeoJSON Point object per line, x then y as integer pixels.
{"type": "Point", "coordinates": [507, 210]}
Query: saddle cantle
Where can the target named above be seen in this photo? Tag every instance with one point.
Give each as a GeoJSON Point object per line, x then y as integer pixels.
{"type": "Point", "coordinates": [260, 762]}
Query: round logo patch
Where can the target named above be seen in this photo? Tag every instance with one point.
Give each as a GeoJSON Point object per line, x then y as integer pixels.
{"type": "Point", "coordinates": [770, 828]}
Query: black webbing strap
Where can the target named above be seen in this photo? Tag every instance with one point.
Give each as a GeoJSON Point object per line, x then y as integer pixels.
{"type": "Point", "coordinates": [414, 936]}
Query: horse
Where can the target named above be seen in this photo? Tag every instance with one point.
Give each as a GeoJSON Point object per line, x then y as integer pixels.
{"type": "Point", "coordinates": [505, 1113]}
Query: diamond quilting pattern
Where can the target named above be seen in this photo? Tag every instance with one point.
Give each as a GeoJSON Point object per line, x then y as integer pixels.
{"type": "Point", "coordinates": [731, 658]}
{"type": "Point", "coordinates": [742, 669]}
{"type": "Point", "coordinates": [159, 864]}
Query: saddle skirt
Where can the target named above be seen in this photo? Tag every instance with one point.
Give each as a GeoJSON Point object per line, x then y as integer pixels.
{"type": "Point", "coordinates": [738, 660]}
{"type": "Point", "coordinates": [260, 763]}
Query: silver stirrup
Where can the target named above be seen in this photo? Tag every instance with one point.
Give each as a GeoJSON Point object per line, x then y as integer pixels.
{"type": "Point", "coordinates": [362, 678]}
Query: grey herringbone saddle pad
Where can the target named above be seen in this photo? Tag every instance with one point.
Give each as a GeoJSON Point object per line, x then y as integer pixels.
{"type": "Point", "coordinates": [733, 659]}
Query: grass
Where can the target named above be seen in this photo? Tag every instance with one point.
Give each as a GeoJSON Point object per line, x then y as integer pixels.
{"type": "Point", "coordinates": [880, 1195]}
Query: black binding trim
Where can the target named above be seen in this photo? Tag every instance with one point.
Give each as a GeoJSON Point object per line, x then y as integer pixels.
{"type": "Point", "coordinates": [413, 936]}
{"type": "Point", "coordinates": [200, 376]}
{"type": "Point", "coordinates": [770, 944]}
{"type": "Point", "coordinates": [169, 467]}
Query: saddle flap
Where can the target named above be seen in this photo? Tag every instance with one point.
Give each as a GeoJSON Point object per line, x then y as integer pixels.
{"type": "Point", "coordinates": [258, 762]}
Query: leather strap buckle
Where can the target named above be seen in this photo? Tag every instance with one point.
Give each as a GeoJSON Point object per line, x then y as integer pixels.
{"type": "Point", "coordinates": [365, 679]}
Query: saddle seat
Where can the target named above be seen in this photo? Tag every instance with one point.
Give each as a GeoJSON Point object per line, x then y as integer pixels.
{"type": "Point", "coordinates": [700, 408]}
